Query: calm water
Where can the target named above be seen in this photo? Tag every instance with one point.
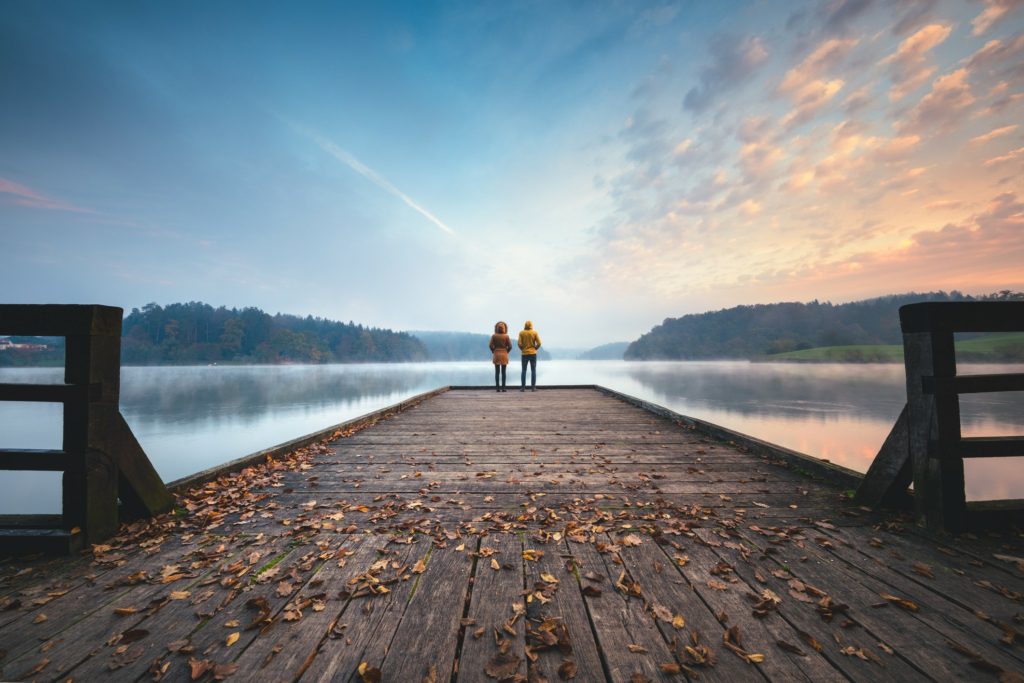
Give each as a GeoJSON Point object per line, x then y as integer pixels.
{"type": "Point", "coordinates": [190, 418]}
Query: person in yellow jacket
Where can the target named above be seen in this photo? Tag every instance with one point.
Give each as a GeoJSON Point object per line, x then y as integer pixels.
{"type": "Point", "coordinates": [529, 342]}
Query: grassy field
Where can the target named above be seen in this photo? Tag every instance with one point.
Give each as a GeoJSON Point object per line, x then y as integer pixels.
{"type": "Point", "coordinates": [993, 348]}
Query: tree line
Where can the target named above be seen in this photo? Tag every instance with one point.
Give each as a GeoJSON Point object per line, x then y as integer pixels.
{"type": "Point", "coordinates": [765, 329]}
{"type": "Point", "coordinates": [197, 332]}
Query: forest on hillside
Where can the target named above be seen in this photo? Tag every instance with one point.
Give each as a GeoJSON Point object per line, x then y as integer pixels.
{"type": "Point", "coordinates": [197, 332]}
{"type": "Point", "coordinates": [765, 329]}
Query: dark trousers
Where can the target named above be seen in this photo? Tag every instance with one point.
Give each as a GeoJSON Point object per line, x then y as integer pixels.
{"type": "Point", "coordinates": [530, 360]}
{"type": "Point", "coordinates": [500, 370]}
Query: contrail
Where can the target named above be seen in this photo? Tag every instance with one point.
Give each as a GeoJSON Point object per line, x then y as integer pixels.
{"type": "Point", "coordinates": [371, 175]}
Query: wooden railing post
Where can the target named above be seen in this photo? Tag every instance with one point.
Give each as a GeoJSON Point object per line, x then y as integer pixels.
{"type": "Point", "coordinates": [934, 424]}
{"type": "Point", "coordinates": [90, 485]}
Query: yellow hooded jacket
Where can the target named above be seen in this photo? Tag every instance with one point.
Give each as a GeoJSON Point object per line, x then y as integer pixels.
{"type": "Point", "coordinates": [529, 340]}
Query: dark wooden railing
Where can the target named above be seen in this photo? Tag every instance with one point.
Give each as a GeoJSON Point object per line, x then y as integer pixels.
{"type": "Point", "coordinates": [106, 474]}
{"type": "Point", "coordinates": [926, 445]}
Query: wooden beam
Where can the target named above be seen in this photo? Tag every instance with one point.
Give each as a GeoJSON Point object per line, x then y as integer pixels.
{"type": "Point", "coordinates": [963, 316]}
{"type": "Point", "coordinates": [60, 320]}
{"type": "Point", "coordinates": [990, 447]}
{"type": "Point", "coordinates": [891, 471]}
{"type": "Point", "coordinates": [973, 384]}
{"type": "Point", "coordinates": [38, 459]}
{"type": "Point", "coordinates": [49, 393]}
{"type": "Point", "coordinates": [141, 489]}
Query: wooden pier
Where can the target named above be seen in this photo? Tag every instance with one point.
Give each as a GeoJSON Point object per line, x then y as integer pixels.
{"type": "Point", "coordinates": [565, 534]}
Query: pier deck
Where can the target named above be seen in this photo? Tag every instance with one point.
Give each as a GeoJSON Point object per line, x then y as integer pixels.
{"type": "Point", "coordinates": [557, 535]}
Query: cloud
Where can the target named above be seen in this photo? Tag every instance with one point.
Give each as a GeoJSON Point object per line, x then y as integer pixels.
{"type": "Point", "coordinates": [806, 83]}
{"type": "Point", "coordinates": [371, 175]}
{"type": "Point", "coordinates": [732, 64]}
{"type": "Point", "coordinates": [943, 106]}
{"type": "Point", "coordinates": [1009, 156]}
{"type": "Point", "coordinates": [993, 134]}
{"type": "Point", "coordinates": [908, 65]}
{"type": "Point", "coordinates": [994, 12]}
{"type": "Point", "coordinates": [839, 14]}
{"type": "Point", "coordinates": [24, 196]}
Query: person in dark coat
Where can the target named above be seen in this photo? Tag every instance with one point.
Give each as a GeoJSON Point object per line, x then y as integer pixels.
{"type": "Point", "coordinates": [500, 345]}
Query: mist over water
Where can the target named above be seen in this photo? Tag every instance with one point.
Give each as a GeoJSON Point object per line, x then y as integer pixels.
{"type": "Point", "coordinates": [191, 418]}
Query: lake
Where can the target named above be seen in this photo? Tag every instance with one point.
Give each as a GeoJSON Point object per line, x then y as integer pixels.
{"type": "Point", "coordinates": [191, 418]}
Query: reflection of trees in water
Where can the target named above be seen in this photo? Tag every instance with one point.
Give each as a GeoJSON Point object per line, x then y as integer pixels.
{"type": "Point", "coordinates": [204, 394]}
{"type": "Point", "coordinates": [806, 391]}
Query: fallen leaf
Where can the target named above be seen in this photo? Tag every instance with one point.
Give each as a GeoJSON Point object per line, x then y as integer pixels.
{"type": "Point", "coordinates": [633, 647]}
{"type": "Point", "coordinates": [419, 567]}
{"type": "Point", "coordinates": [678, 621]}
{"type": "Point", "coordinates": [567, 669]}
{"type": "Point", "coordinates": [180, 595]}
{"type": "Point", "coordinates": [908, 605]}
{"type": "Point", "coordinates": [125, 611]}
{"type": "Point", "coordinates": [368, 674]}
{"type": "Point", "coordinates": [233, 638]}
{"type": "Point", "coordinates": [502, 666]}
{"type": "Point", "coordinates": [40, 618]}
{"type": "Point", "coordinates": [494, 565]}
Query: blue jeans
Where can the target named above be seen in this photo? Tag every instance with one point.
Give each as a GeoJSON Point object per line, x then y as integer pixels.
{"type": "Point", "coordinates": [530, 360]}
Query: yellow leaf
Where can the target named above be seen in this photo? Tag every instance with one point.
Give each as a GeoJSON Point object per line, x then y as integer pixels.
{"type": "Point", "coordinates": [755, 658]}
{"type": "Point", "coordinates": [40, 618]}
{"type": "Point", "coordinates": [678, 621]}
{"type": "Point", "coordinates": [494, 564]}
{"type": "Point", "coordinates": [548, 578]}
{"type": "Point", "coordinates": [233, 638]}
{"type": "Point", "coordinates": [180, 595]}
{"type": "Point", "coordinates": [419, 567]}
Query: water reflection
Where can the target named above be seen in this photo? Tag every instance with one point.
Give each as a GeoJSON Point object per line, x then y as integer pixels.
{"type": "Point", "coordinates": [190, 418]}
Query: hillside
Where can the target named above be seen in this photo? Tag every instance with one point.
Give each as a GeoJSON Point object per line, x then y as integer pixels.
{"type": "Point", "coordinates": [768, 329]}
{"type": "Point", "coordinates": [1004, 347]}
{"type": "Point", "coordinates": [613, 351]}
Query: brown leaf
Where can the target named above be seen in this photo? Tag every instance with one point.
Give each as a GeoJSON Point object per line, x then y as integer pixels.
{"type": "Point", "coordinates": [567, 670]}
{"type": "Point", "coordinates": [671, 668]}
{"type": "Point", "coordinates": [503, 666]}
{"type": "Point", "coordinates": [419, 567]}
{"type": "Point", "coordinates": [591, 591]}
{"type": "Point", "coordinates": [43, 663]}
{"type": "Point", "coordinates": [40, 618]}
{"type": "Point", "coordinates": [284, 589]}
{"type": "Point", "coordinates": [199, 667]}
{"type": "Point", "coordinates": [633, 647]}
{"type": "Point", "coordinates": [179, 595]}
{"type": "Point", "coordinates": [639, 678]}
{"type": "Point", "coordinates": [222, 671]}
{"type": "Point", "coordinates": [908, 605]}
{"type": "Point", "coordinates": [923, 569]}
{"type": "Point", "coordinates": [661, 612]}
{"type": "Point", "coordinates": [368, 674]}
{"type": "Point", "coordinates": [233, 638]}
{"type": "Point", "coordinates": [125, 611]}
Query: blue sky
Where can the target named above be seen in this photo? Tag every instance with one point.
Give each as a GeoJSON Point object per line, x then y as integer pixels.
{"type": "Point", "coordinates": [593, 166]}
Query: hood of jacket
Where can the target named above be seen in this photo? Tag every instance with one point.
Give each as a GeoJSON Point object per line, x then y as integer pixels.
{"type": "Point", "coordinates": [528, 325]}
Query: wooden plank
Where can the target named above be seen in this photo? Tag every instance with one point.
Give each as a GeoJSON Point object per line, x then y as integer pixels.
{"type": "Point", "coordinates": [494, 635]}
{"type": "Point", "coordinates": [620, 621]}
{"type": "Point", "coordinates": [655, 568]}
{"type": "Point", "coordinates": [428, 634]}
{"type": "Point", "coordinates": [568, 608]}
{"type": "Point", "coordinates": [366, 622]}
{"type": "Point", "coordinates": [284, 651]}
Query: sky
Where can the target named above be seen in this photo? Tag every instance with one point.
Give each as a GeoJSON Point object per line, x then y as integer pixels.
{"type": "Point", "coordinates": [592, 166]}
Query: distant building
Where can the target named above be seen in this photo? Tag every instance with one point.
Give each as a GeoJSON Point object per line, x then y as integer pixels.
{"type": "Point", "coordinates": [6, 344]}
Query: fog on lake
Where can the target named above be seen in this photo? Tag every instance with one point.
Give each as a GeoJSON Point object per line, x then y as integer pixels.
{"type": "Point", "coordinates": [191, 418]}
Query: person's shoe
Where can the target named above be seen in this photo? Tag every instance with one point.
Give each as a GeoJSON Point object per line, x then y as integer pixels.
{"type": "Point", "coordinates": [498, 391]}
{"type": "Point", "coordinates": [533, 388]}
{"type": "Point", "coordinates": [522, 390]}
